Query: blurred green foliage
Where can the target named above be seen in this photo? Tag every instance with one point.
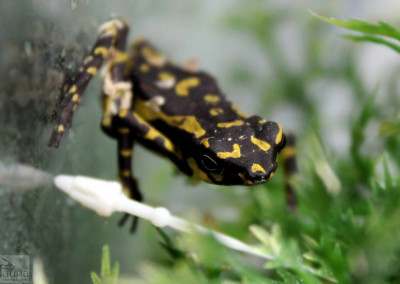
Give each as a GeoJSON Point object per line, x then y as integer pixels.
{"type": "Point", "coordinates": [346, 229]}
{"type": "Point", "coordinates": [375, 33]}
{"type": "Point", "coordinates": [108, 275]}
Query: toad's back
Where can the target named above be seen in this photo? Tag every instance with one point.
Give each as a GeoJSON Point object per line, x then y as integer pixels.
{"type": "Point", "coordinates": [166, 91]}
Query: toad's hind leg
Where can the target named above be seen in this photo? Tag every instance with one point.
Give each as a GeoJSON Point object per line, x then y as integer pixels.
{"type": "Point", "coordinates": [111, 36]}
{"type": "Point", "coordinates": [129, 184]}
{"type": "Point", "coordinates": [290, 170]}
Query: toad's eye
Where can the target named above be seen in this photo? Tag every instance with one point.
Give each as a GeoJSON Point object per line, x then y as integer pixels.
{"type": "Point", "coordinates": [209, 164]}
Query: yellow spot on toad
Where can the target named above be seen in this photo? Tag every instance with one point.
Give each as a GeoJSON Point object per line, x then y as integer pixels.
{"type": "Point", "coordinates": [245, 181]}
{"type": "Point", "coordinates": [230, 124]}
{"type": "Point", "coordinates": [92, 70]}
{"type": "Point", "coordinates": [126, 153]}
{"type": "Point", "coordinates": [216, 111]}
{"type": "Point", "coordinates": [75, 98]}
{"type": "Point", "coordinates": [197, 172]}
{"type": "Point", "coordinates": [126, 173]}
{"type": "Point", "coordinates": [279, 135]}
{"type": "Point", "coordinates": [123, 130]}
{"type": "Point", "coordinates": [168, 145]}
{"type": "Point", "coordinates": [72, 89]}
{"type": "Point", "coordinates": [120, 57]}
{"type": "Point", "coordinates": [191, 125]}
{"type": "Point", "coordinates": [148, 52]}
{"type": "Point", "coordinates": [257, 168]}
{"type": "Point", "coordinates": [182, 88]}
{"type": "Point", "coordinates": [144, 68]}
{"type": "Point", "coordinates": [217, 177]}
{"type": "Point", "coordinates": [152, 134]}
{"type": "Point", "coordinates": [165, 76]}
{"type": "Point", "coordinates": [209, 98]}
{"type": "Point", "coordinates": [234, 154]}
{"type": "Point", "coordinates": [122, 113]}
{"type": "Point", "coordinates": [153, 57]}
{"type": "Point", "coordinates": [101, 50]}
{"type": "Point", "coordinates": [140, 119]}
{"type": "Point", "coordinates": [61, 128]}
{"type": "Point", "coordinates": [260, 143]}
{"type": "Point", "coordinates": [205, 142]}
{"type": "Point", "coordinates": [167, 80]}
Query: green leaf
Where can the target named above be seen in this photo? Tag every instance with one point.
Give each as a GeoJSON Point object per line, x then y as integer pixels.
{"type": "Point", "coordinates": [374, 39]}
{"type": "Point", "coordinates": [169, 246]}
{"type": "Point", "coordinates": [380, 29]}
{"type": "Point", "coordinates": [386, 173]}
{"type": "Point", "coordinates": [105, 262]}
{"type": "Point", "coordinates": [288, 277]}
{"type": "Point", "coordinates": [173, 252]}
{"type": "Point", "coordinates": [115, 271]}
{"type": "Point", "coordinates": [95, 278]}
{"type": "Point", "coordinates": [108, 275]}
{"type": "Point", "coordinates": [390, 128]}
{"type": "Point", "coordinates": [269, 240]}
{"type": "Point", "coordinates": [323, 169]}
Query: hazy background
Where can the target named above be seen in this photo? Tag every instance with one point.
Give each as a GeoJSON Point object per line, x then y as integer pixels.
{"type": "Point", "coordinates": [299, 56]}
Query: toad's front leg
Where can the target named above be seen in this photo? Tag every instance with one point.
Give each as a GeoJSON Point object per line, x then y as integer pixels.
{"type": "Point", "coordinates": [128, 127]}
{"type": "Point", "coordinates": [117, 96]}
{"type": "Point", "coordinates": [112, 36]}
